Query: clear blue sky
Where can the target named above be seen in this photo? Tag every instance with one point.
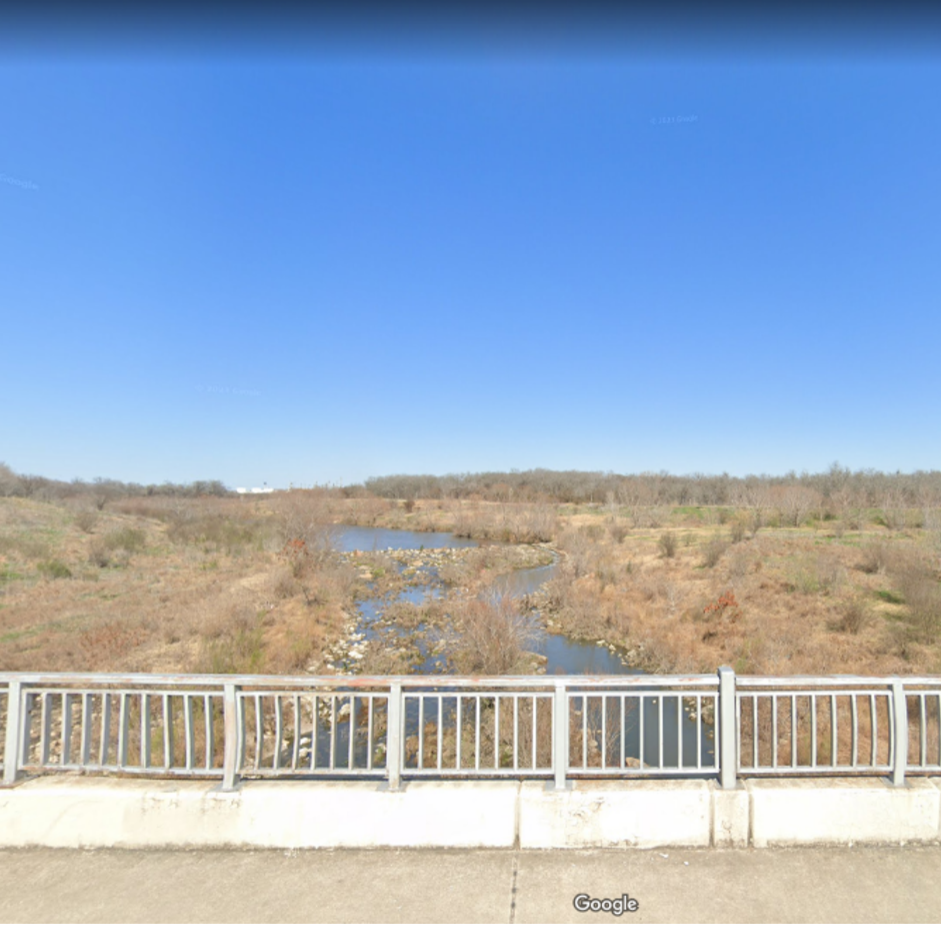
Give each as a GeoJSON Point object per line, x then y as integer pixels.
{"type": "Point", "coordinates": [268, 260]}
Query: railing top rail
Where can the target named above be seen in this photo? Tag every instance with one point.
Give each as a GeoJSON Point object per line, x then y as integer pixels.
{"type": "Point", "coordinates": [748, 681]}
{"type": "Point", "coordinates": [411, 680]}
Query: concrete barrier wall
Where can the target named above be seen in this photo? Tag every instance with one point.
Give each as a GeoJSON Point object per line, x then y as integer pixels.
{"type": "Point", "coordinates": [65, 811]}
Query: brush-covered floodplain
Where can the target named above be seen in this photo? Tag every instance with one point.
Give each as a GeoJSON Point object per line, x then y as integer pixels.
{"type": "Point", "coordinates": [319, 581]}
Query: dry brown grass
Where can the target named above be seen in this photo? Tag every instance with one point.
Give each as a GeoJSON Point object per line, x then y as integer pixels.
{"type": "Point", "coordinates": [199, 584]}
{"type": "Point", "coordinates": [160, 585]}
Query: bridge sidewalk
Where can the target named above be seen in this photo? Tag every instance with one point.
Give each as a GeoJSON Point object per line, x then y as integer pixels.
{"type": "Point", "coordinates": [858, 884]}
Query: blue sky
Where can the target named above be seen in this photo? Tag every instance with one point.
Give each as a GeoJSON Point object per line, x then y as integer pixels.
{"type": "Point", "coordinates": [321, 263]}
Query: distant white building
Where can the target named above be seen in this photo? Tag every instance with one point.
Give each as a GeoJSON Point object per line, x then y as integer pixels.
{"type": "Point", "coordinates": [262, 489]}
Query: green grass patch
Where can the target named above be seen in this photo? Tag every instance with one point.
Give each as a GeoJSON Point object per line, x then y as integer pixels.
{"type": "Point", "coordinates": [126, 539]}
{"type": "Point", "coordinates": [888, 596]}
{"type": "Point", "coordinates": [54, 570]}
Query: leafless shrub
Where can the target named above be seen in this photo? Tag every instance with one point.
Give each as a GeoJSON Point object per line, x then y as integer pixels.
{"type": "Point", "coordinates": [606, 576]}
{"type": "Point", "coordinates": [713, 551]}
{"type": "Point", "coordinates": [738, 563]}
{"type": "Point", "coordinates": [830, 574]}
{"type": "Point", "coordinates": [667, 544]}
{"type": "Point", "coordinates": [125, 539]}
{"type": "Point", "coordinates": [854, 616]}
{"type": "Point", "coordinates": [579, 551]}
{"type": "Point", "coordinates": [618, 532]}
{"type": "Point", "coordinates": [98, 553]}
{"type": "Point", "coordinates": [802, 576]}
{"type": "Point", "coordinates": [86, 520]}
{"type": "Point", "coordinates": [492, 636]}
{"type": "Point", "coordinates": [921, 590]}
{"type": "Point", "coordinates": [592, 531]}
{"type": "Point", "coordinates": [674, 594]}
{"type": "Point", "coordinates": [285, 585]}
{"type": "Point", "coordinates": [876, 557]}
{"type": "Point", "coordinates": [305, 515]}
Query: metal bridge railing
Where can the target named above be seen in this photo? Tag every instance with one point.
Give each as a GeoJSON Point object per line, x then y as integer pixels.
{"type": "Point", "coordinates": [539, 727]}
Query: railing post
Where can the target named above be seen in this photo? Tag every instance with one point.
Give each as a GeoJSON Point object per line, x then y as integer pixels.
{"type": "Point", "coordinates": [899, 733]}
{"type": "Point", "coordinates": [561, 735]}
{"type": "Point", "coordinates": [394, 735]}
{"type": "Point", "coordinates": [726, 727]}
{"type": "Point", "coordinates": [230, 736]}
{"type": "Point", "coordinates": [11, 747]}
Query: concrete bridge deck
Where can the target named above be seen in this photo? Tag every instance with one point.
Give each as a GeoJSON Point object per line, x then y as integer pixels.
{"type": "Point", "coordinates": [774, 885]}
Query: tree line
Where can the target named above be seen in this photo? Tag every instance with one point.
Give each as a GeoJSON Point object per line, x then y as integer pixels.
{"type": "Point", "coordinates": [839, 485]}
{"type": "Point", "coordinates": [101, 489]}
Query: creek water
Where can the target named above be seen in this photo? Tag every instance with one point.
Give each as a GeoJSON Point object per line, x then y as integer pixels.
{"type": "Point", "coordinates": [564, 655]}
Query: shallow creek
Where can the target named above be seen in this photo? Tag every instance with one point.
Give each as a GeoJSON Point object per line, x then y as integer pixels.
{"type": "Point", "coordinates": [563, 655]}
{"type": "Point", "coordinates": [559, 654]}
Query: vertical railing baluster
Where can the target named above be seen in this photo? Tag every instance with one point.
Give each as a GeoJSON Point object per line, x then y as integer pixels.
{"type": "Point", "coordinates": [622, 703]}
{"type": "Point", "coordinates": [45, 729]}
{"type": "Point", "coordinates": [755, 738]}
{"type": "Point", "coordinates": [86, 730]}
{"type": "Point", "coordinates": [678, 704]}
{"type": "Point", "coordinates": [833, 730]}
{"type": "Point", "coordinates": [584, 714]}
{"type": "Point", "coordinates": [439, 735]}
{"type": "Point", "coordinates": [351, 730]}
{"type": "Point", "coordinates": [168, 712]}
{"type": "Point", "coordinates": [641, 701]}
{"type": "Point", "coordinates": [106, 729]}
{"type": "Point", "coordinates": [370, 732]}
{"type": "Point", "coordinates": [793, 730]}
{"type": "Point", "coordinates": [188, 733]}
{"type": "Point", "coordinates": [394, 735]}
{"type": "Point", "coordinates": [259, 713]}
{"type": "Point", "coordinates": [208, 731]}
{"type": "Point", "coordinates": [514, 709]}
{"type": "Point", "coordinates": [873, 722]}
{"type": "Point", "coordinates": [698, 763]}
{"type": "Point", "coordinates": [939, 739]}
{"type": "Point", "coordinates": [314, 729]}
{"type": "Point", "coordinates": [66, 728]}
{"type": "Point", "coordinates": [924, 730]}
{"type": "Point", "coordinates": [534, 733]}
{"type": "Point", "coordinates": [854, 706]}
{"type": "Point", "coordinates": [661, 734]}
{"type": "Point", "coordinates": [13, 735]}
{"type": "Point", "coordinates": [813, 732]}
{"type": "Point", "coordinates": [497, 733]}
{"type": "Point", "coordinates": [560, 732]}
{"type": "Point", "coordinates": [334, 731]}
{"type": "Point", "coordinates": [775, 747]}
{"type": "Point", "coordinates": [478, 717]}
{"type": "Point", "coordinates": [145, 730]}
{"type": "Point", "coordinates": [277, 750]}
{"type": "Point", "coordinates": [458, 731]}
{"type": "Point", "coordinates": [123, 732]}
{"type": "Point", "coordinates": [297, 729]}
